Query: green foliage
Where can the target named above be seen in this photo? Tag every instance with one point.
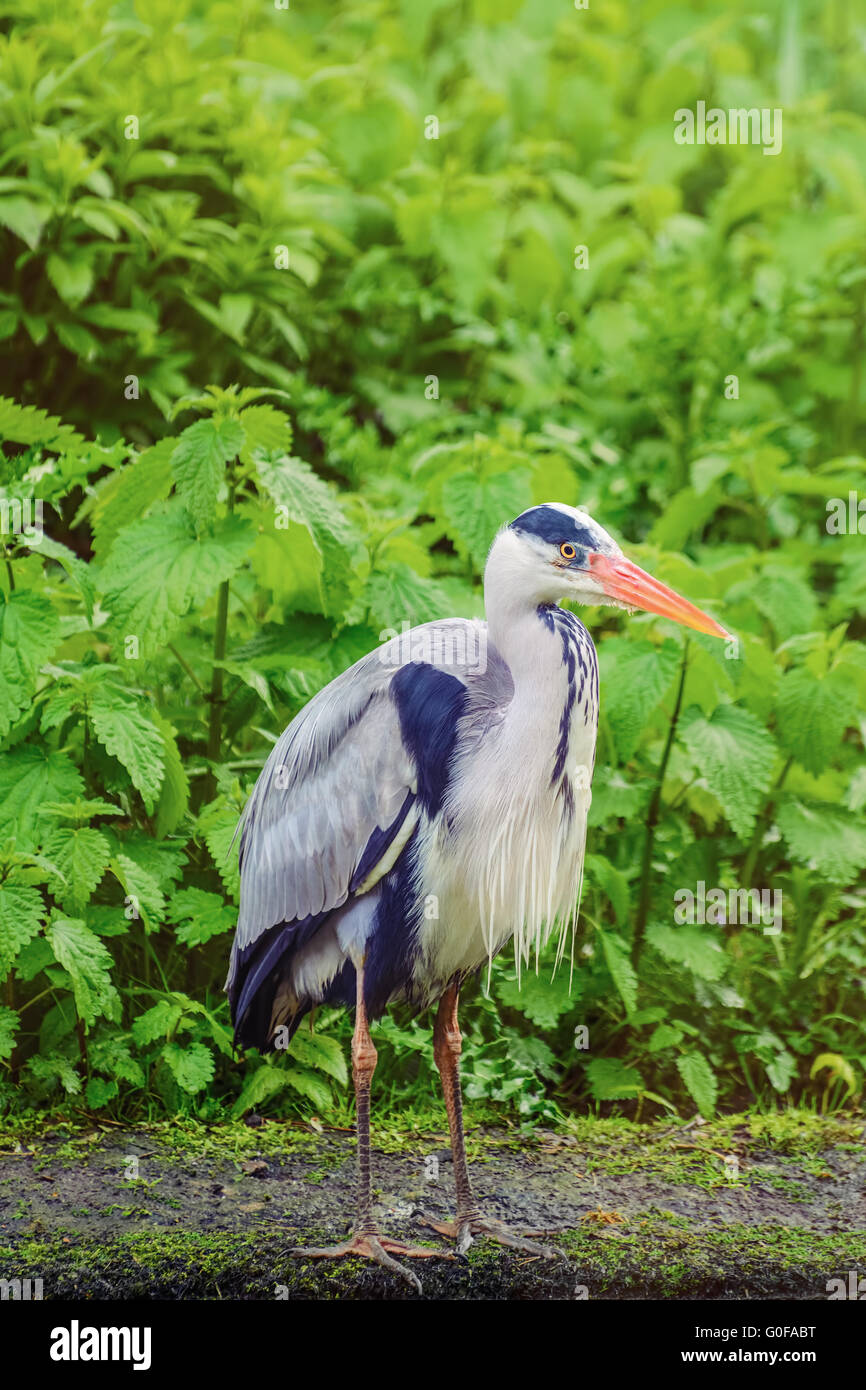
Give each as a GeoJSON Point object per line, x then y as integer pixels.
{"type": "Point", "coordinates": [405, 356]}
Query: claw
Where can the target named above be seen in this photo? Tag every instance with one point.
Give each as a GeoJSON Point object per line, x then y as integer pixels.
{"type": "Point", "coordinates": [377, 1248]}
{"type": "Point", "coordinates": [466, 1230]}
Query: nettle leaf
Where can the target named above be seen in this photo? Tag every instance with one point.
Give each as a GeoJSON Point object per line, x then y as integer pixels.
{"type": "Point", "coordinates": [111, 1053]}
{"type": "Point", "coordinates": [265, 428]}
{"type": "Point", "coordinates": [813, 714]}
{"type": "Point", "coordinates": [616, 954]}
{"type": "Point", "coordinates": [29, 778]}
{"type": "Point", "coordinates": [77, 570]}
{"type": "Point", "coordinates": [218, 822]}
{"type": "Point", "coordinates": [53, 1069]}
{"type": "Point", "coordinates": [399, 595]}
{"type": "Point", "coordinates": [664, 1036]}
{"type": "Point", "coordinates": [699, 1080]}
{"type": "Point", "coordinates": [198, 463]}
{"type": "Point", "coordinates": [267, 1081]}
{"type": "Point", "coordinates": [538, 997]}
{"type": "Point", "coordinates": [98, 1092]}
{"type": "Point", "coordinates": [321, 1052]}
{"type": "Point", "coordinates": [474, 508]}
{"type": "Point", "coordinates": [29, 632]}
{"type": "Point", "coordinates": [141, 888]}
{"type": "Point", "coordinates": [158, 568]}
{"type": "Point", "coordinates": [635, 678]}
{"type": "Point", "coordinates": [9, 1025]}
{"type": "Point", "coordinates": [158, 1022]}
{"type": "Point", "coordinates": [695, 947]}
{"type": "Point", "coordinates": [26, 424]}
{"type": "Point", "coordinates": [174, 793]}
{"type": "Point", "coordinates": [612, 883]}
{"type": "Point", "coordinates": [129, 492]}
{"type": "Point", "coordinates": [832, 844]}
{"type": "Point", "coordinates": [735, 756]}
{"type": "Point", "coordinates": [201, 915]}
{"type": "Point", "coordinates": [129, 735]}
{"type": "Point", "coordinates": [610, 1079]}
{"type": "Point", "coordinates": [88, 962]}
{"type": "Point", "coordinates": [191, 1065]}
{"type": "Point", "coordinates": [301, 496]}
{"type": "Point", "coordinates": [22, 913]}
{"type": "Point", "coordinates": [787, 601]}
{"type": "Point", "coordinates": [81, 855]}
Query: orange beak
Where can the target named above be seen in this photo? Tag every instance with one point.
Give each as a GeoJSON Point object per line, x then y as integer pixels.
{"type": "Point", "coordinates": [626, 582]}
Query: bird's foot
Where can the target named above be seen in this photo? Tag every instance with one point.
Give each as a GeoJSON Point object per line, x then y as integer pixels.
{"type": "Point", "coordinates": [465, 1230]}
{"type": "Point", "coordinates": [381, 1249]}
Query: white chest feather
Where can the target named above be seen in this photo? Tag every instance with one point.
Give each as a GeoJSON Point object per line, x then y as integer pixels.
{"type": "Point", "coordinates": [506, 860]}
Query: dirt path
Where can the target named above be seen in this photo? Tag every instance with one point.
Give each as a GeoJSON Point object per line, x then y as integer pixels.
{"type": "Point", "coordinates": [700, 1212]}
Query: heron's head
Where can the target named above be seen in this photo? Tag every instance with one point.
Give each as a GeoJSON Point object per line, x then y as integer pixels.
{"type": "Point", "coordinates": [554, 552]}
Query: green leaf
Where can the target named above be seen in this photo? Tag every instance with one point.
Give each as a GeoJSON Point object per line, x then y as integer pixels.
{"type": "Point", "coordinates": [81, 854]}
{"type": "Point", "coordinates": [192, 1065]}
{"type": "Point", "coordinates": [30, 777]}
{"type": "Point", "coordinates": [22, 913]}
{"type": "Point", "coordinates": [611, 1079]}
{"type": "Point", "coordinates": [399, 595]}
{"type": "Point", "coordinates": [699, 1080]}
{"type": "Point", "coordinates": [219, 821]}
{"type": "Point", "coordinates": [635, 677]}
{"type": "Point", "coordinates": [29, 632]}
{"type": "Point", "coordinates": [735, 756]}
{"type": "Point", "coordinates": [198, 464]}
{"type": "Point", "coordinates": [158, 568]}
{"type": "Point", "coordinates": [174, 793]}
{"type": "Point", "coordinates": [130, 736]}
{"type": "Point", "coordinates": [77, 569]}
{"type": "Point", "coordinates": [201, 915]}
{"type": "Point", "coordinates": [813, 715]}
{"type": "Point", "coordinates": [475, 508]}
{"type": "Point", "coordinates": [88, 963]}
{"type": "Point", "coordinates": [72, 277]}
{"type": "Point", "coordinates": [141, 889]}
{"type": "Point", "coordinates": [25, 218]}
{"type": "Point", "coordinates": [129, 492]}
{"type": "Point", "coordinates": [695, 947]}
{"type": "Point", "coordinates": [98, 1092]}
{"type": "Point", "coordinates": [616, 954]}
{"type": "Point", "coordinates": [265, 428]}
{"type": "Point", "coordinates": [832, 844]}
{"type": "Point", "coordinates": [302, 497]}
{"type": "Point", "coordinates": [9, 1025]}
{"type": "Point", "coordinates": [542, 1000]}
{"type": "Point", "coordinates": [664, 1036]}
{"type": "Point", "coordinates": [321, 1052]}
{"type": "Point", "coordinates": [157, 1022]}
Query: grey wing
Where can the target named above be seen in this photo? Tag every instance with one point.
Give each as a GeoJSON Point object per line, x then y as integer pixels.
{"type": "Point", "coordinates": [335, 784]}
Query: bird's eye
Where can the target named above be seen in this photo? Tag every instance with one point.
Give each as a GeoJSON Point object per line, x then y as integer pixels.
{"type": "Point", "coordinates": [567, 550]}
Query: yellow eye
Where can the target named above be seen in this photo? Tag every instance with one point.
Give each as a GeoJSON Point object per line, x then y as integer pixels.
{"type": "Point", "coordinates": [567, 550]}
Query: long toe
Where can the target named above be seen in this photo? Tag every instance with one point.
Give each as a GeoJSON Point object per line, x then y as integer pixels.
{"type": "Point", "coordinates": [381, 1250]}
{"type": "Point", "coordinates": [471, 1228]}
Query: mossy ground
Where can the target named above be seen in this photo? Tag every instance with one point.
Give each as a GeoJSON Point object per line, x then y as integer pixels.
{"type": "Point", "coordinates": [749, 1206]}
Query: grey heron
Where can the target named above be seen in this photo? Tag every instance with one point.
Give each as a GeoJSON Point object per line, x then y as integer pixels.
{"type": "Point", "coordinates": [424, 809]}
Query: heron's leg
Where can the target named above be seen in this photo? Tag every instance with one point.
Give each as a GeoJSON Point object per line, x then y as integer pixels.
{"type": "Point", "coordinates": [447, 1046]}
{"type": "Point", "coordinates": [366, 1240]}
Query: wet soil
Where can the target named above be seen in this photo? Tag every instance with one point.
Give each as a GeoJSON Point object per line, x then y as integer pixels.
{"type": "Point", "coordinates": [641, 1212]}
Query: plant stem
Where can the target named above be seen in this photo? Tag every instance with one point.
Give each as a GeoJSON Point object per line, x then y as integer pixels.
{"type": "Point", "coordinates": [762, 823]}
{"type": "Point", "coordinates": [652, 819]}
